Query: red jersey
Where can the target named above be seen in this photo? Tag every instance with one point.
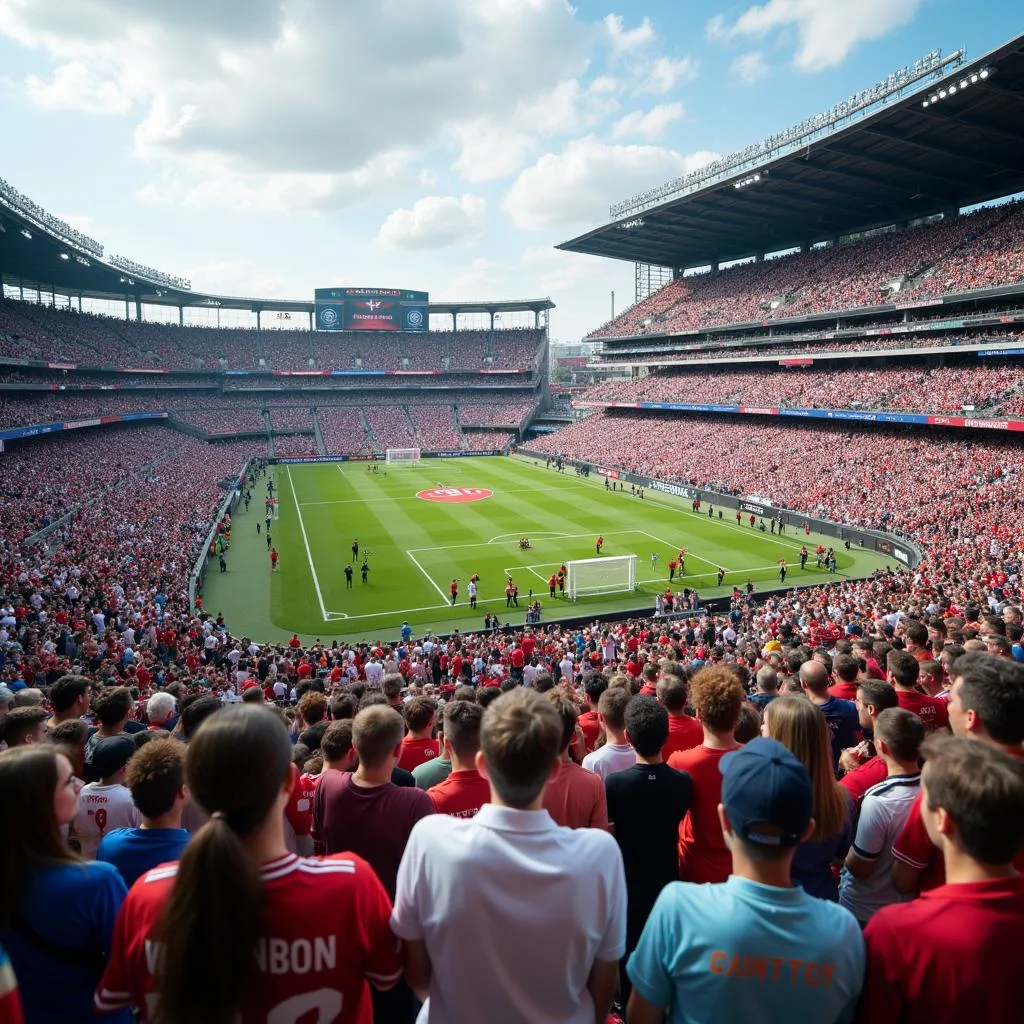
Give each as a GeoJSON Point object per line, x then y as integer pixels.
{"type": "Point", "coordinates": [298, 813]}
{"type": "Point", "coordinates": [591, 727]}
{"type": "Point", "coordinates": [326, 934]}
{"type": "Point", "coordinates": [913, 847]}
{"type": "Point", "coordinates": [415, 752]}
{"type": "Point", "coordinates": [462, 794]}
{"type": "Point", "coordinates": [930, 710]}
{"type": "Point", "coordinates": [703, 855]}
{"type": "Point", "coordinates": [684, 733]}
{"type": "Point", "coordinates": [861, 779]}
{"type": "Point", "coordinates": [843, 690]}
{"type": "Point", "coordinates": [949, 956]}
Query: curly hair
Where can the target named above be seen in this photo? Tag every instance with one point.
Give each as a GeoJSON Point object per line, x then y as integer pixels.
{"type": "Point", "coordinates": [717, 696]}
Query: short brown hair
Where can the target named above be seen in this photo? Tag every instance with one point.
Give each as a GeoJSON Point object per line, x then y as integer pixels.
{"type": "Point", "coordinates": [72, 733]}
{"type": "Point", "coordinates": [903, 667]}
{"type": "Point", "coordinates": [567, 710]}
{"type": "Point", "coordinates": [312, 707]}
{"type": "Point", "coordinates": [113, 705]}
{"type": "Point", "coordinates": [672, 692]}
{"type": "Point", "coordinates": [612, 705]}
{"type": "Point", "coordinates": [376, 732]}
{"type": "Point", "coordinates": [155, 775]}
{"type": "Point", "coordinates": [336, 742]}
{"type": "Point", "coordinates": [419, 711]}
{"type": "Point", "coordinates": [520, 738]}
{"type": "Point", "coordinates": [21, 722]}
{"type": "Point", "coordinates": [982, 789]}
{"type": "Point", "coordinates": [717, 697]}
{"type": "Point", "coordinates": [462, 727]}
{"type": "Point", "coordinates": [342, 706]}
{"type": "Point", "coordinates": [901, 731]}
{"type": "Point", "coordinates": [391, 685]}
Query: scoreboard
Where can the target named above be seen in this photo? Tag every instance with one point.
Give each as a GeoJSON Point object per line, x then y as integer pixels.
{"type": "Point", "coordinates": [371, 309]}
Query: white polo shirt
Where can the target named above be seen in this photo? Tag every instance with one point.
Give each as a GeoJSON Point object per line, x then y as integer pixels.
{"type": "Point", "coordinates": [609, 759]}
{"type": "Point", "coordinates": [514, 910]}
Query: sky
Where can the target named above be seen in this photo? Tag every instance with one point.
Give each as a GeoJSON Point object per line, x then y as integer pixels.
{"type": "Point", "coordinates": [270, 147]}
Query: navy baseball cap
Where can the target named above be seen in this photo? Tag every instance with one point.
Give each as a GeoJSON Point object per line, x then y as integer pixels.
{"type": "Point", "coordinates": [763, 783]}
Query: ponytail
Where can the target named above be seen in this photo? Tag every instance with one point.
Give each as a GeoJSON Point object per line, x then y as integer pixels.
{"type": "Point", "coordinates": [236, 767]}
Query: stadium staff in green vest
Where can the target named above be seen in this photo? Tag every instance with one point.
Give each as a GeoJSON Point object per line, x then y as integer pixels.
{"type": "Point", "coordinates": [755, 947]}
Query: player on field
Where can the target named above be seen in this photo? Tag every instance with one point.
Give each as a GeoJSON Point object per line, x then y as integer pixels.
{"type": "Point", "coordinates": [600, 544]}
{"type": "Point", "coordinates": [654, 561]}
{"type": "Point", "coordinates": [348, 577]}
{"type": "Point", "coordinates": [782, 570]}
{"type": "Point", "coordinates": [471, 591]}
{"type": "Point", "coordinates": [364, 569]}
{"type": "Point", "coordinates": [721, 575]}
{"type": "Point", "coordinates": [803, 557]}
{"type": "Point", "coordinates": [355, 550]}
{"type": "Point", "coordinates": [274, 557]}
{"type": "Point", "coordinates": [453, 589]}
{"type": "Point", "coordinates": [552, 584]}
{"type": "Point", "coordinates": [672, 566]}
{"type": "Point", "coordinates": [313, 932]}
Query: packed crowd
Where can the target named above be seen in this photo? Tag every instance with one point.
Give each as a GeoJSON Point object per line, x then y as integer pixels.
{"type": "Point", "coordinates": [989, 388]}
{"type": "Point", "coordinates": [647, 814]}
{"type": "Point", "coordinates": [979, 249]}
{"type": "Point", "coordinates": [32, 331]}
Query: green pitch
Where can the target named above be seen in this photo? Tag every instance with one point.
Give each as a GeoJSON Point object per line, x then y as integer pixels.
{"type": "Point", "coordinates": [415, 547]}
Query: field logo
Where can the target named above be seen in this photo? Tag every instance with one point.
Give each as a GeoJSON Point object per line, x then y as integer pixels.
{"type": "Point", "coordinates": [455, 495]}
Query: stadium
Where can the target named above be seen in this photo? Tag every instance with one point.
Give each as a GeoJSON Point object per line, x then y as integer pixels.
{"type": "Point", "coordinates": [803, 442]}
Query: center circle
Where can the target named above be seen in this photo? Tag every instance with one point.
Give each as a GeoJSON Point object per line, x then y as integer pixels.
{"type": "Point", "coordinates": [454, 495]}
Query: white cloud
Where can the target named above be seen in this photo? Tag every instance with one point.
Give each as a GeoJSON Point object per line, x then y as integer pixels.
{"type": "Point", "coordinates": [237, 277]}
{"type": "Point", "coordinates": [827, 30]}
{"type": "Point", "coordinates": [557, 271]}
{"type": "Point", "coordinates": [76, 86]}
{"type": "Point", "coordinates": [750, 67]}
{"type": "Point", "coordinates": [665, 74]}
{"type": "Point", "coordinates": [715, 28]}
{"type": "Point", "coordinates": [435, 222]}
{"type": "Point", "coordinates": [481, 279]}
{"type": "Point", "coordinates": [637, 124]}
{"type": "Point", "coordinates": [281, 88]}
{"type": "Point", "coordinates": [625, 40]}
{"type": "Point", "coordinates": [577, 185]}
{"type": "Point", "coordinates": [489, 152]}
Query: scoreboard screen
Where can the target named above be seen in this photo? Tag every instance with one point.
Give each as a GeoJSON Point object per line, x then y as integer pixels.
{"type": "Point", "coordinates": [371, 309]}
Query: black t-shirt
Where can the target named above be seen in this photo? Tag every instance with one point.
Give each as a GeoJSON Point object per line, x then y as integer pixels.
{"type": "Point", "coordinates": [646, 803]}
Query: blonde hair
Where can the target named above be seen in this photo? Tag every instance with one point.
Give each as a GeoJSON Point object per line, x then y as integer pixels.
{"type": "Point", "coordinates": [802, 728]}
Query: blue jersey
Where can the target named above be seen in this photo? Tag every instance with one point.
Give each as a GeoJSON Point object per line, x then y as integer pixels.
{"type": "Point", "coordinates": [71, 909]}
{"type": "Point", "coordinates": [133, 851]}
{"type": "Point", "coordinates": [743, 951]}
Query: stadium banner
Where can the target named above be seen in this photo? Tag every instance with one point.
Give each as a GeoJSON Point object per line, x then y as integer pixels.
{"type": "Point", "coordinates": [286, 460]}
{"type": "Point", "coordinates": [38, 429]}
{"type": "Point", "coordinates": [751, 411]}
{"type": "Point", "coordinates": [300, 373]}
{"type": "Point", "coordinates": [758, 510]}
{"type": "Point", "coordinates": [1001, 352]}
{"type": "Point", "coordinates": [358, 373]}
{"type": "Point", "coordinates": [371, 309]}
{"type": "Point", "coordinates": [612, 474]}
{"type": "Point", "coordinates": [796, 362]}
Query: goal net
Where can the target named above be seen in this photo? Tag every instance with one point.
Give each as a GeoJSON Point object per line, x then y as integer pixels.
{"type": "Point", "coordinates": [403, 456]}
{"type": "Point", "coordinates": [600, 575]}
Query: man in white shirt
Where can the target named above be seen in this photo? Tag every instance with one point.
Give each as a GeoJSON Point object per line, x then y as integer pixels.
{"type": "Point", "coordinates": [565, 667]}
{"type": "Point", "coordinates": [506, 916]}
{"type": "Point", "coordinates": [616, 755]}
{"type": "Point", "coordinates": [374, 671]}
{"type": "Point", "coordinates": [107, 804]}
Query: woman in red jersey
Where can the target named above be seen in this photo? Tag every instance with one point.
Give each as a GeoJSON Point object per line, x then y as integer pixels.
{"type": "Point", "coordinates": [240, 929]}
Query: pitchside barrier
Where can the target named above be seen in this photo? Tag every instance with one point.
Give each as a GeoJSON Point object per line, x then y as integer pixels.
{"type": "Point", "coordinates": [297, 459]}
{"type": "Point", "coordinates": [899, 548]}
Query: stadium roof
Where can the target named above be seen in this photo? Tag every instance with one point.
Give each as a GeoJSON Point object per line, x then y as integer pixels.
{"type": "Point", "coordinates": [36, 258]}
{"type": "Point", "coordinates": [905, 161]}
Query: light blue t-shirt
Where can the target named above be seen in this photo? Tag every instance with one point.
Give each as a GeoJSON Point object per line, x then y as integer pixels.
{"type": "Point", "coordinates": [743, 951]}
{"type": "Point", "coordinates": [134, 851]}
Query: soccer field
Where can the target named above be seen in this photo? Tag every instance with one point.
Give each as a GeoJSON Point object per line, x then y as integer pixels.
{"type": "Point", "coordinates": [421, 526]}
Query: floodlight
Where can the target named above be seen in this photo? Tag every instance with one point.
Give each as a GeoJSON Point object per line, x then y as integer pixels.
{"type": "Point", "coordinates": [974, 79]}
{"type": "Point", "coordinates": [984, 72]}
{"type": "Point", "coordinates": [26, 233]}
{"type": "Point", "coordinates": [942, 94]}
{"type": "Point", "coordinates": [952, 90]}
{"type": "Point", "coordinates": [64, 256]}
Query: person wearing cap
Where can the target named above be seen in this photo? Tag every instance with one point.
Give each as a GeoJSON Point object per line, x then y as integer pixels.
{"type": "Point", "coordinates": [755, 947]}
{"type": "Point", "coordinates": [106, 805]}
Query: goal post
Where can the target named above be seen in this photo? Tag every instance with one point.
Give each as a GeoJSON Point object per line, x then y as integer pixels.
{"type": "Point", "coordinates": [606, 575]}
{"type": "Point", "coordinates": [402, 456]}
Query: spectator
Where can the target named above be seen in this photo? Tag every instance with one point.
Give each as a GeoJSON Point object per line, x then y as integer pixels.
{"type": "Point", "coordinates": [684, 731]}
{"type": "Point", "coordinates": [106, 805]}
{"type": "Point", "coordinates": [160, 710]}
{"type": "Point", "coordinates": [155, 777]}
{"type": "Point", "coordinates": [767, 687]}
{"type": "Point", "coordinates": [590, 721]}
{"type": "Point", "coordinates": [841, 715]}
{"type": "Point", "coordinates": [646, 804]}
{"type": "Point", "coordinates": [573, 796]}
{"type": "Point", "coordinates": [754, 947]}
{"type": "Point", "coordinates": [801, 727]}
{"type": "Point", "coordinates": [57, 912]}
{"type": "Point", "coordinates": [24, 726]}
{"type": "Point", "coordinates": [420, 744]}
{"type": "Point", "coordinates": [616, 754]}
{"type": "Point", "coordinates": [69, 697]}
{"type": "Point", "coordinates": [336, 746]}
{"type": "Point", "coordinates": [464, 791]}
{"type": "Point", "coordinates": [866, 885]}
{"type": "Point", "coordinates": [951, 955]}
{"type": "Point", "coordinates": [863, 768]}
{"type": "Point", "coordinates": [560, 947]}
{"type": "Point", "coordinates": [237, 879]}
{"type": "Point", "coordinates": [987, 704]}
{"type": "Point", "coordinates": [703, 853]}
{"type": "Point", "coordinates": [112, 707]}
{"type": "Point", "coordinates": [903, 671]}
